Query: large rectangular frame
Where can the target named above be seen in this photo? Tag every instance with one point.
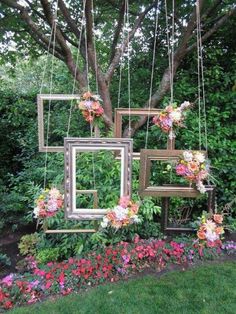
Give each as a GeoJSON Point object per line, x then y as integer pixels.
{"type": "Point", "coordinates": [75, 145]}
{"type": "Point", "coordinates": [168, 190]}
{"type": "Point", "coordinates": [40, 109]}
{"type": "Point", "coordinates": [120, 112]}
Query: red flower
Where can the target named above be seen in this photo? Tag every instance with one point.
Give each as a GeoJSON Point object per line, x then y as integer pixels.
{"type": "Point", "coordinates": [8, 305]}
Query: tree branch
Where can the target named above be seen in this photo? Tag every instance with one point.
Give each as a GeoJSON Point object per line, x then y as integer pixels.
{"type": "Point", "coordinates": [117, 56]}
{"type": "Point", "coordinates": [62, 42]}
{"type": "Point", "coordinates": [216, 26]}
{"type": "Point", "coordinates": [117, 30]}
{"type": "Point", "coordinates": [71, 23]}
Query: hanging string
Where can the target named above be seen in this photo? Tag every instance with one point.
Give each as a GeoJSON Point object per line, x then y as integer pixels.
{"type": "Point", "coordinates": [95, 50]}
{"type": "Point", "coordinates": [199, 75]}
{"type": "Point", "coordinates": [172, 52]}
{"type": "Point", "coordinates": [128, 56]}
{"type": "Point", "coordinates": [203, 83]}
{"type": "Point", "coordinates": [86, 54]}
{"type": "Point", "coordinates": [75, 72]}
{"type": "Point", "coordinates": [54, 29]}
{"type": "Point", "coordinates": [122, 57]}
{"type": "Point", "coordinates": [168, 48]}
{"type": "Point", "coordinates": [152, 72]}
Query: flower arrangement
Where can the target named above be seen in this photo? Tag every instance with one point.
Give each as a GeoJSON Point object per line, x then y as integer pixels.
{"type": "Point", "coordinates": [124, 214]}
{"type": "Point", "coordinates": [194, 168]}
{"type": "Point", "coordinates": [48, 203]}
{"type": "Point", "coordinates": [171, 118]}
{"type": "Point", "coordinates": [90, 106]}
{"type": "Point", "coordinates": [210, 229]}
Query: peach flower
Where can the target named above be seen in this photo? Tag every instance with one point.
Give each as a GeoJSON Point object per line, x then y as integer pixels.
{"type": "Point", "coordinates": [218, 218]}
{"type": "Point", "coordinates": [201, 234]}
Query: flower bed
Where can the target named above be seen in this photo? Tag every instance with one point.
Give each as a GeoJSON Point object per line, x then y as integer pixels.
{"type": "Point", "coordinates": [111, 264]}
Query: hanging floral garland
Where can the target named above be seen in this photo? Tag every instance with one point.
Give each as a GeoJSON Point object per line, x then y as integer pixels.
{"type": "Point", "coordinates": [122, 215]}
{"type": "Point", "coordinates": [194, 167]}
{"type": "Point", "coordinates": [48, 203]}
{"type": "Point", "coordinates": [171, 118]}
{"type": "Point", "coordinates": [91, 107]}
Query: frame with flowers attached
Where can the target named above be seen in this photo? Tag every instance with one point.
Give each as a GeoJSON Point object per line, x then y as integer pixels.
{"type": "Point", "coordinates": [72, 147]}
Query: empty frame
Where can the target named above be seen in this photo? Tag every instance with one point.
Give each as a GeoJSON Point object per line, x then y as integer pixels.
{"type": "Point", "coordinates": [74, 146]}
{"type": "Point", "coordinates": [41, 130]}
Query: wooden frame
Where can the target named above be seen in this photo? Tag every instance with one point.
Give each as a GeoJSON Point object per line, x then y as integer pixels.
{"type": "Point", "coordinates": [120, 112]}
{"type": "Point", "coordinates": [210, 190]}
{"type": "Point", "coordinates": [78, 145]}
{"type": "Point", "coordinates": [167, 190]}
{"type": "Point", "coordinates": [95, 205]}
{"type": "Point", "coordinates": [40, 109]}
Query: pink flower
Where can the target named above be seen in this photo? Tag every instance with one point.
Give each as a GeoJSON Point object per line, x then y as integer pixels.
{"type": "Point", "coordinates": [8, 280]}
{"type": "Point", "coordinates": [124, 201]}
{"type": "Point", "coordinates": [181, 169]}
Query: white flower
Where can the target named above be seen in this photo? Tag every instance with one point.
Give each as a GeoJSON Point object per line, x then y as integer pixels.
{"type": "Point", "coordinates": [199, 157]}
{"type": "Point", "coordinates": [176, 115]}
{"type": "Point", "coordinates": [104, 222]}
{"type": "Point", "coordinates": [200, 186]}
{"type": "Point", "coordinates": [188, 156]}
{"type": "Point", "coordinates": [185, 105]}
{"type": "Point", "coordinates": [211, 236]}
{"type": "Point", "coordinates": [36, 212]}
{"type": "Point", "coordinates": [121, 213]}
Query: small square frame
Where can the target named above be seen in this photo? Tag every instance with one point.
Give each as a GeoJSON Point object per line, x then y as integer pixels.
{"type": "Point", "coordinates": [75, 145]}
{"type": "Point", "coordinates": [40, 109]}
{"type": "Point", "coordinates": [120, 112]}
{"type": "Point", "coordinates": [167, 190]}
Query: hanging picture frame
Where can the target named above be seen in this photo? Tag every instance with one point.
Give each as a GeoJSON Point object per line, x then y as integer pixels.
{"type": "Point", "coordinates": [41, 98]}
{"type": "Point", "coordinates": [165, 190]}
{"type": "Point", "coordinates": [73, 146]}
{"type": "Point", "coordinates": [138, 112]}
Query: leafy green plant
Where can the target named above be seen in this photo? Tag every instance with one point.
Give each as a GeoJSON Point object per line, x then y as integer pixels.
{"type": "Point", "coordinates": [4, 260]}
{"type": "Point", "coordinates": [28, 243]}
{"type": "Point", "coordinates": [47, 255]}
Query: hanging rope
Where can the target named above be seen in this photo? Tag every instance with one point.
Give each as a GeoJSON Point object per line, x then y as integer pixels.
{"type": "Point", "coordinates": [75, 72]}
{"type": "Point", "coordinates": [128, 56]}
{"type": "Point", "coordinates": [201, 82]}
{"type": "Point", "coordinates": [172, 52]}
{"type": "Point", "coordinates": [168, 49]}
{"type": "Point", "coordinates": [152, 72]}
{"type": "Point", "coordinates": [122, 57]}
{"type": "Point", "coordinates": [54, 29]}
{"type": "Point", "coordinates": [95, 50]}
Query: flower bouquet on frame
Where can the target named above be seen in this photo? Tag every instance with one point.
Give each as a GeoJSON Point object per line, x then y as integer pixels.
{"type": "Point", "coordinates": [122, 215]}
{"type": "Point", "coordinates": [48, 203]}
{"type": "Point", "coordinates": [171, 118]}
{"type": "Point", "coordinates": [91, 107]}
{"type": "Point", "coordinates": [210, 229]}
{"type": "Point", "coordinates": [194, 168]}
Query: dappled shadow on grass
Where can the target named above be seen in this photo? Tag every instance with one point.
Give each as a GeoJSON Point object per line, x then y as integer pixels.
{"type": "Point", "coordinates": [209, 288]}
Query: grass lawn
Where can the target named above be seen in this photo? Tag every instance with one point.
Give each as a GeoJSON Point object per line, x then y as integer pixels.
{"type": "Point", "coordinates": [205, 289]}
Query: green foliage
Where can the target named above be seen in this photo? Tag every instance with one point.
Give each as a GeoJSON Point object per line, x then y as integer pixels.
{"type": "Point", "coordinates": [28, 243]}
{"type": "Point", "coordinates": [47, 255]}
{"type": "Point", "coordinates": [4, 260]}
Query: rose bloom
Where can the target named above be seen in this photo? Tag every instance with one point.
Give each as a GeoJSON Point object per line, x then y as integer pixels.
{"type": "Point", "coordinates": [201, 234]}
{"type": "Point", "coordinates": [199, 157]}
{"type": "Point", "coordinates": [54, 193]}
{"type": "Point", "coordinates": [87, 95]}
{"type": "Point", "coordinates": [169, 108]}
{"type": "Point", "coordinates": [81, 105]}
{"type": "Point", "coordinates": [95, 105]}
{"type": "Point", "coordinates": [193, 166]}
{"type": "Point", "coordinates": [124, 201]}
{"type": "Point", "coordinates": [176, 115]}
{"type": "Point", "coordinates": [181, 169]}
{"type": "Point", "coordinates": [99, 111]}
{"type": "Point", "coordinates": [218, 218]}
{"type": "Point", "coordinates": [219, 230]}
{"type": "Point", "coordinates": [188, 156]}
{"type": "Point", "coordinates": [134, 209]}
